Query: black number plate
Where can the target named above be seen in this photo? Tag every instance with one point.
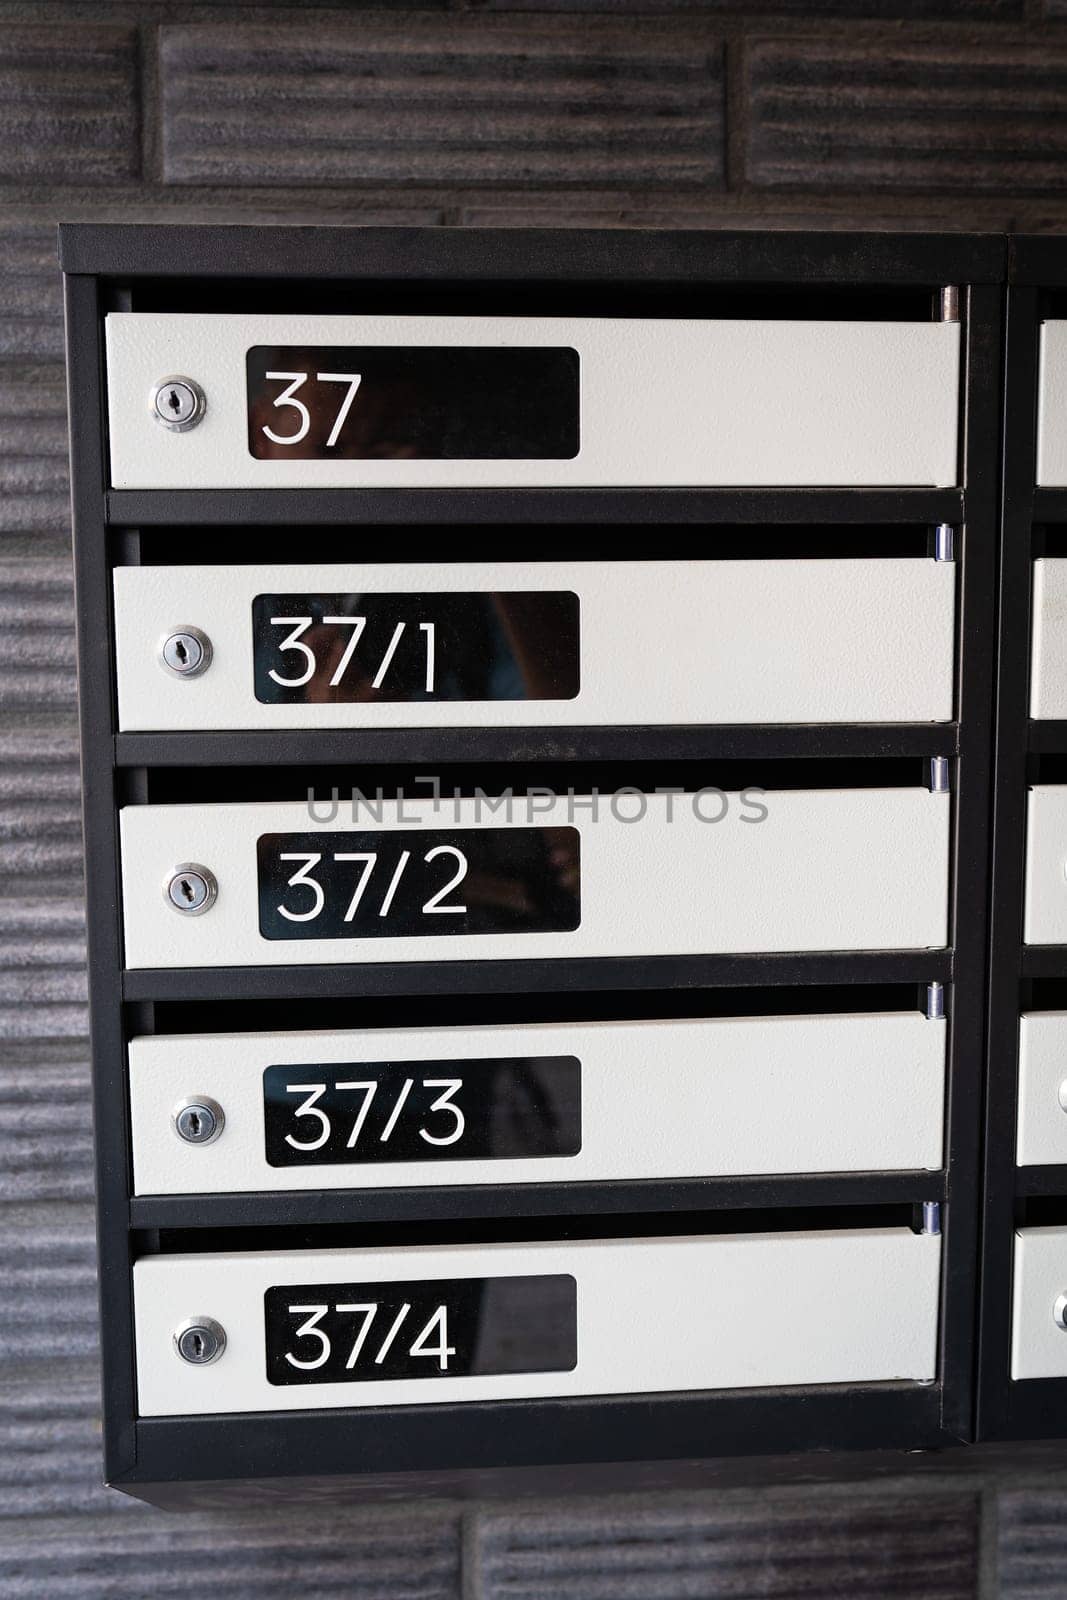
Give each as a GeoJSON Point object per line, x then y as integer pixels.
{"type": "Point", "coordinates": [372, 1111]}
{"type": "Point", "coordinates": [417, 882]}
{"type": "Point", "coordinates": [440, 1328]}
{"type": "Point", "coordinates": [404, 403]}
{"type": "Point", "coordinates": [348, 648]}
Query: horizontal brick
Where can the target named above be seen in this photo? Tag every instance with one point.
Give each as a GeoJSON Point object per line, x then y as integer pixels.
{"type": "Point", "coordinates": [392, 1554]}
{"type": "Point", "coordinates": [34, 497]}
{"type": "Point", "coordinates": [1032, 1544]}
{"type": "Point", "coordinates": [834, 114]}
{"type": "Point", "coordinates": [469, 100]}
{"type": "Point", "coordinates": [31, 305]}
{"type": "Point", "coordinates": [68, 103]}
{"type": "Point", "coordinates": [771, 1547]}
{"type": "Point", "coordinates": [42, 968]}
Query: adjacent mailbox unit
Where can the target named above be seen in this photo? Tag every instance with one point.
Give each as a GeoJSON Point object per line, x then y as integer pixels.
{"type": "Point", "coordinates": [536, 708]}
{"type": "Point", "coordinates": [1023, 1387]}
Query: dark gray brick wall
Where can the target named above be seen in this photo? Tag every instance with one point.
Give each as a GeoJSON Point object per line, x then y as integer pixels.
{"type": "Point", "coordinates": [693, 113]}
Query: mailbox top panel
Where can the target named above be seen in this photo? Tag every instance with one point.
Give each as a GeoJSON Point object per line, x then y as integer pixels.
{"type": "Point", "coordinates": [132, 251]}
{"type": "Point", "coordinates": [301, 401]}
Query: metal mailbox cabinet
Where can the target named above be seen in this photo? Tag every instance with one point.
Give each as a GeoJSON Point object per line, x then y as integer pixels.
{"type": "Point", "coordinates": [525, 959]}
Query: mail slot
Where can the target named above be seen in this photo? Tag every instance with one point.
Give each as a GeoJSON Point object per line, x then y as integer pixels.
{"type": "Point", "coordinates": [1048, 670]}
{"type": "Point", "coordinates": [318, 1328]}
{"type": "Point", "coordinates": [535, 643]}
{"type": "Point", "coordinates": [1045, 916]}
{"type": "Point", "coordinates": [535, 875]}
{"type": "Point", "coordinates": [243, 401]}
{"type": "Point", "coordinates": [546, 1103]}
{"type": "Point", "coordinates": [1039, 1304]}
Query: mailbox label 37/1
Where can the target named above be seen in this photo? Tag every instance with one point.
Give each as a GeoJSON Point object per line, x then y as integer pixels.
{"type": "Point", "coordinates": [422, 881]}
{"type": "Point", "coordinates": [436, 1328]}
{"type": "Point", "coordinates": [347, 649]}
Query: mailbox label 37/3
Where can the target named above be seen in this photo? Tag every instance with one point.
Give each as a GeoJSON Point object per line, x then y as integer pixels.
{"type": "Point", "coordinates": [438, 1328]}
{"type": "Point", "coordinates": [495, 1108]}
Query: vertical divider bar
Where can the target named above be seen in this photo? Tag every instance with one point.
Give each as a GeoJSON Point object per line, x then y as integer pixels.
{"type": "Point", "coordinates": [1011, 724]}
{"type": "Point", "coordinates": [970, 910]}
{"type": "Point", "coordinates": [94, 626]}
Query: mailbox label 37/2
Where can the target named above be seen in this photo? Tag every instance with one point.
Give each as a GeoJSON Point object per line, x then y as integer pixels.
{"type": "Point", "coordinates": [435, 1328]}
{"type": "Point", "coordinates": [395, 882]}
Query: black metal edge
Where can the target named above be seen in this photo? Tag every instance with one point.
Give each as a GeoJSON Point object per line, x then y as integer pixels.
{"type": "Point", "coordinates": [996, 1395]}
{"type": "Point", "coordinates": [552, 1433]}
{"type": "Point", "coordinates": [102, 868]}
{"type": "Point", "coordinates": [1030, 1408]}
{"type": "Point", "coordinates": [982, 309]}
{"type": "Point", "coordinates": [132, 251]}
{"type": "Point", "coordinates": [1040, 1181]}
{"type": "Point", "coordinates": [1047, 737]}
{"type": "Point", "coordinates": [550, 975]}
{"type": "Point", "coordinates": [1037, 260]}
{"type": "Point", "coordinates": [1050, 505]}
{"type": "Point", "coordinates": [370, 746]}
{"type": "Point", "coordinates": [245, 509]}
{"type": "Point", "coordinates": [272, 1208]}
{"type": "Point", "coordinates": [1041, 960]}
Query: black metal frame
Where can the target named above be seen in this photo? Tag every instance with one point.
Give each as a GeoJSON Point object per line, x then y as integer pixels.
{"type": "Point", "coordinates": [435, 1445]}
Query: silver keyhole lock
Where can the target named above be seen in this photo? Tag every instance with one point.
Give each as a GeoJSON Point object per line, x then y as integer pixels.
{"type": "Point", "coordinates": [191, 889]}
{"type": "Point", "coordinates": [198, 1120]}
{"type": "Point", "coordinates": [200, 1340]}
{"type": "Point", "coordinates": [1059, 1312]}
{"type": "Point", "coordinates": [186, 652]}
{"type": "Point", "coordinates": [178, 403]}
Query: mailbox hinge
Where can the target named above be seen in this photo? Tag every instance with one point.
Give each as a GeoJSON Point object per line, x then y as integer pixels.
{"type": "Point", "coordinates": [935, 1001]}
{"type": "Point", "coordinates": [949, 304]}
{"type": "Point", "coordinates": [944, 542]}
{"type": "Point", "coordinates": [939, 775]}
{"type": "Point", "coordinates": [931, 1216]}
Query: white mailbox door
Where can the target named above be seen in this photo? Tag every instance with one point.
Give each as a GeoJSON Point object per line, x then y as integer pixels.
{"type": "Point", "coordinates": [315, 402]}
{"type": "Point", "coordinates": [1048, 674]}
{"type": "Point", "coordinates": [1041, 1138]}
{"type": "Point", "coordinates": [306, 1330]}
{"type": "Point", "coordinates": [1052, 406]}
{"type": "Point", "coordinates": [546, 1103]}
{"type": "Point", "coordinates": [513, 644]}
{"type": "Point", "coordinates": [1045, 916]}
{"type": "Point", "coordinates": [1039, 1304]}
{"type": "Point", "coordinates": [851, 869]}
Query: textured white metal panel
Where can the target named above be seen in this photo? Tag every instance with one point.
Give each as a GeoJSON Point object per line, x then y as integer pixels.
{"type": "Point", "coordinates": [733, 1311]}
{"type": "Point", "coordinates": [826, 869]}
{"type": "Point", "coordinates": [1048, 669]}
{"type": "Point", "coordinates": [1038, 1343]}
{"type": "Point", "coordinates": [1052, 406]}
{"type": "Point", "coordinates": [731, 1095]}
{"type": "Point", "coordinates": [661, 642]}
{"type": "Point", "coordinates": [662, 402]}
{"type": "Point", "coordinates": [1041, 1137]}
{"type": "Point", "coordinates": [1045, 914]}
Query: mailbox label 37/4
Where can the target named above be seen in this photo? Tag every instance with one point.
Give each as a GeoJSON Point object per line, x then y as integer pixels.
{"type": "Point", "coordinates": [438, 1328]}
